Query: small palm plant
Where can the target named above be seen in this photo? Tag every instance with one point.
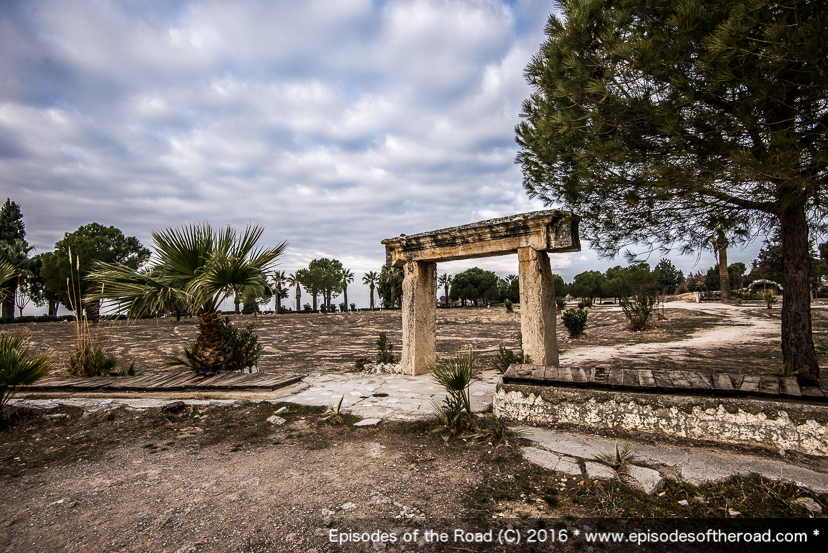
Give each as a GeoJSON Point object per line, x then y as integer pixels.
{"type": "Point", "coordinates": [456, 377]}
{"type": "Point", "coordinates": [200, 267]}
{"type": "Point", "coordinates": [769, 299]}
{"type": "Point", "coordinates": [620, 460]}
{"type": "Point", "coordinates": [333, 414]}
{"type": "Point", "coordinates": [18, 365]}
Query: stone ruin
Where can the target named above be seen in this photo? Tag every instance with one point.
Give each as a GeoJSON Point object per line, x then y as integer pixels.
{"type": "Point", "coordinates": [530, 235]}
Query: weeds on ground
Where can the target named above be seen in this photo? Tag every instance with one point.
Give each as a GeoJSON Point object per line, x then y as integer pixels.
{"type": "Point", "coordinates": [506, 357]}
{"type": "Point", "coordinates": [333, 414]}
{"type": "Point", "coordinates": [784, 369]}
{"type": "Point", "coordinates": [620, 460]}
{"type": "Point", "coordinates": [384, 347]}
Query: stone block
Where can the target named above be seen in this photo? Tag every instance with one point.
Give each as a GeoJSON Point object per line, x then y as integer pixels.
{"type": "Point", "coordinates": [368, 422]}
{"type": "Point", "coordinates": [598, 471]}
{"type": "Point", "coordinates": [649, 479]}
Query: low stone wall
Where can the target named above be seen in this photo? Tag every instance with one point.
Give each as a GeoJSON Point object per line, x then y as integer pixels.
{"type": "Point", "coordinates": [777, 425]}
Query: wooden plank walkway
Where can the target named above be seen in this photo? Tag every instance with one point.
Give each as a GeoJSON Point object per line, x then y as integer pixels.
{"type": "Point", "coordinates": [180, 381]}
{"type": "Point", "coordinates": [665, 382]}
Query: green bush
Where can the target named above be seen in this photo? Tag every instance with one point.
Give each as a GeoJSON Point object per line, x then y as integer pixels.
{"type": "Point", "coordinates": [508, 304]}
{"type": "Point", "coordinates": [561, 303]}
{"type": "Point", "coordinates": [575, 321]}
{"type": "Point", "coordinates": [586, 302]}
{"type": "Point", "coordinates": [243, 344]}
{"type": "Point", "coordinates": [769, 299]}
{"type": "Point", "coordinates": [639, 309]}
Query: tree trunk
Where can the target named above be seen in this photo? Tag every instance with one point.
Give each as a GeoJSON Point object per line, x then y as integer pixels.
{"type": "Point", "coordinates": [8, 303]}
{"type": "Point", "coordinates": [372, 295]}
{"type": "Point", "coordinates": [237, 302]}
{"type": "Point", "coordinates": [93, 310]}
{"type": "Point", "coordinates": [797, 341]}
{"type": "Point", "coordinates": [448, 301]}
{"type": "Point", "coordinates": [53, 307]}
{"type": "Point", "coordinates": [345, 295]}
{"type": "Point", "coordinates": [211, 348]}
{"type": "Point", "coordinates": [298, 298]}
{"type": "Point", "coordinates": [314, 302]}
{"type": "Point", "coordinates": [278, 299]}
{"type": "Point", "coordinates": [724, 275]}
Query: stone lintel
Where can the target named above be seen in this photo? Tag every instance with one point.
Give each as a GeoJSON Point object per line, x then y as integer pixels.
{"type": "Point", "coordinates": [548, 230]}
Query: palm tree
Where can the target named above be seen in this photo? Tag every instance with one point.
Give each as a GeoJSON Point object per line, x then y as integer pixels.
{"type": "Point", "coordinates": [199, 267]}
{"type": "Point", "coordinates": [293, 281]}
{"type": "Point", "coordinates": [371, 279]}
{"type": "Point", "coordinates": [6, 273]}
{"type": "Point", "coordinates": [15, 254]}
{"type": "Point", "coordinates": [347, 278]}
{"type": "Point", "coordinates": [279, 281]}
{"type": "Point", "coordinates": [444, 280]}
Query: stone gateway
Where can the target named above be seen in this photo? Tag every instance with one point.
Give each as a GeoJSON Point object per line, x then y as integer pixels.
{"type": "Point", "coordinates": [530, 235]}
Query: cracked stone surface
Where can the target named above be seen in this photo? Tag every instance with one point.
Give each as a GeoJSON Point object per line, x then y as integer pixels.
{"type": "Point", "coordinates": [384, 396]}
{"type": "Point", "coordinates": [693, 464]}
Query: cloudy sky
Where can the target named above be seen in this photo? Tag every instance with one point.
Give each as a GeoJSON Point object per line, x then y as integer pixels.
{"type": "Point", "coordinates": [332, 123]}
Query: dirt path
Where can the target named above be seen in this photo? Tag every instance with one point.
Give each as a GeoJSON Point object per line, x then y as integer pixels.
{"type": "Point", "coordinates": [737, 330]}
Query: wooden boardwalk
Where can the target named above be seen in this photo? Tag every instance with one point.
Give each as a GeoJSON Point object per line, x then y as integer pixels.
{"type": "Point", "coordinates": [669, 382]}
{"type": "Point", "coordinates": [179, 381]}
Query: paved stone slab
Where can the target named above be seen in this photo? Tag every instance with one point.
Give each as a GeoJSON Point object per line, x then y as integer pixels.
{"type": "Point", "coordinates": [541, 457]}
{"type": "Point", "coordinates": [651, 480]}
{"type": "Point", "coordinates": [384, 396]}
{"type": "Point", "coordinates": [570, 466]}
{"type": "Point", "coordinates": [598, 471]}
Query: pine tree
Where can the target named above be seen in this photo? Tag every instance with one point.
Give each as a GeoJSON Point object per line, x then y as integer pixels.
{"type": "Point", "coordinates": [650, 116]}
{"type": "Point", "coordinates": [12, 227]}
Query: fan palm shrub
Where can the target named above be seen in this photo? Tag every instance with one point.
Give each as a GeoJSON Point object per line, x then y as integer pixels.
{"type": "Point", "coordinates": [199, 267]}
{"type": "Point", "coordinates": [18, 365]}
{"type": "Point", "coordinates": [456, 377]}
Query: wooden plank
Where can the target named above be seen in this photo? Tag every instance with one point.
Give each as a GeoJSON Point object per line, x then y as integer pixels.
{"type": "Point", "coordinates": [277, 381]}
{"type": "Point", "coordinates": [227, 381]}
{"type": "Point", "coordinates": [721, 381]}
{"type": "Point", "coordinates": [578, 375]}
{"type": "Point", "coordinates": [645, 378]}
{"type": "Point", "coordinates": [789, 386]}
{"type": "Point", "coordinates": [162, 383]}
{"type": "Point", "coordinates": [663, 380]}
{"type": "Point", "coordinates": [696, 380]}
{"type": "Point", "coordinates": [94, 382]}
{"type": "Point", "coordinates": [812, 392]}
{"type": "Point", "coordinates": [737, 380]}
{"type": "Point", "coordinates": [550, 373]}
{"type": "Point", "coordinates": [538, 371]}
{"type": "Point", "coordinates": [564, 374]}
{"type": "Point", "coordinates": [629, 377]}
{"type": "Point", "coordinates": [210, 379]}
{"type": "Point", "coordinates": [679, 381]}
{"type": "Point", "coordinates": [769, 385]}
{"type": "Point", "coordinates": [615, 377]}
{"type": "Point", "coordinates": [178, 381]}
{"type": "Point", "coordinates": [750, 383]}
{"type": "Point", "coordinates": [511, 372]}
{"type": "Point", "coordinates": [599, 375]}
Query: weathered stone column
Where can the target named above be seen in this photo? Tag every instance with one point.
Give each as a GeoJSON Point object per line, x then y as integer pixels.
{"type": "Point", "coordinates": [537, 307]}
{"type": "Point", "coordinates": [419, 316]}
